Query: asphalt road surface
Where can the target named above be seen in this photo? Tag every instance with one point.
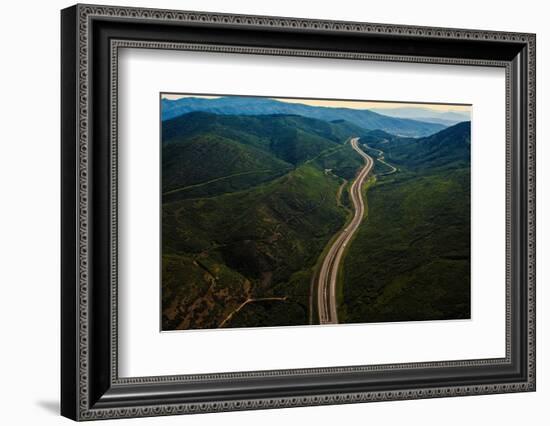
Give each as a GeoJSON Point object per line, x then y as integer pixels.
{"type": "Point", "coordinates": [326, 288]}
{"type": "Point", "coordinates": [382, 160]}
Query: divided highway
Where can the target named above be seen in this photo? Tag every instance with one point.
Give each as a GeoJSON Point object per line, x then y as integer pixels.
{"type": "Point", "coordinates": [326, 285]}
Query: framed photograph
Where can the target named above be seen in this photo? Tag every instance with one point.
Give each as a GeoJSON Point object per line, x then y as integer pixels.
{"type": "Point", "coordinates": [263, 212]}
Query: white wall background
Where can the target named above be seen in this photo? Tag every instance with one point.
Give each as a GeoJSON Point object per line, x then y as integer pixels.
{"type": "Point", "coordinates": [29, 213]}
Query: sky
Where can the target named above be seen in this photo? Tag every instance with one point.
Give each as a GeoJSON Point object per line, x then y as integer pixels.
{"type": "Point", "coordinates": [351, 104]}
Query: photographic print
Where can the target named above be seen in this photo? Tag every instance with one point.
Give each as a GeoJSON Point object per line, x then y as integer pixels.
{"type": "Point", "coordinates": [292, 212]}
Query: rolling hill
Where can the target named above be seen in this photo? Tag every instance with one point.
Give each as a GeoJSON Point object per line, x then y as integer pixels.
{"type": "Point", "coordinates": [450, 146]}
{"type": "Point", "coordinates": [253, 106]}
{"type": "Point", "coordinates": [236, 152]}
{"type": "Point", "coordinates": [257, 243]}
{"type": "Point", "coordinates": [249, 202]}
{"type": "Point", "coordinates": [410, 260]}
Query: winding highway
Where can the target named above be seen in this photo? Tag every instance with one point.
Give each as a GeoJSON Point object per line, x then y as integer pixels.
{"type": "Point", "coordinates": [328, 274]}
{"type": "Point", "coordinates": [383, 161]}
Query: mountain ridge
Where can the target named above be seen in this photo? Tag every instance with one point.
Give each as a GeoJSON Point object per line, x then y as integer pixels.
{"type": "Point", "coordinates": [420, 113]}
{"type": "Point", "coordinates": [236, 152]}
{"type": "Point", "coordinates": [250, 202]}
{"type": "Point", "coordinates": [411, 262]}
{"type": "Point", "coordinates": [448, 146]}
{"type": "Point", "coordinates": [252, 106]}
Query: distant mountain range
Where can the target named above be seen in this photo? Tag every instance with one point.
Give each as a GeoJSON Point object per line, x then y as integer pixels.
{"type": "Point", "coordinates": [242, 105]}
{"type": "Point", "coordinates": [447, 118]}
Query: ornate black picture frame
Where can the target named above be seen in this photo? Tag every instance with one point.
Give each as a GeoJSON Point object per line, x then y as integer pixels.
{"type": "Point", "coordinates": [91, 387]}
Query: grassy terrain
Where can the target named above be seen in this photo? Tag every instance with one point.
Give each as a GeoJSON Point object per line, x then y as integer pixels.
{"type": "Point", "coordinates": [448, 149]}
{"type": "Point", "coordinates": [204, 155]}
{"type": "Point", "coordinates": [410, 259]}
{"type": "Point", "coordinates": [343, 162]}
{"type": "Point", "coordinates": [265, 240]}
{"type": "Point", "coordinates": [270, 313]}
{"type": "Point", "coordinates": [250, 203]}
{"type": "Point", "coordinates": [229, 242]}
{"type": "Point", "coordinates": [209, 157]}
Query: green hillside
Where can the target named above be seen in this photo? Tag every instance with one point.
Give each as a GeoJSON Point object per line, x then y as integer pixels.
{"type": "Point", "coordinates": [248, 205]}
{"type": "Point", "coordinates": [210, 158]}
{"type": "Point", "coordinates": [258, 243]}
{"type": "Point", "coordinates": [411, 258]}
{"type": "Point", "coordinates": [292, 138]}
{"type": "Point", "coordinates": [206, 154]}
{"type": "Point", "coordinates": [447, 148]}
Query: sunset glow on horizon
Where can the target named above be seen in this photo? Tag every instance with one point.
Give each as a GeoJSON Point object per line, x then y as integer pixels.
{"type": "Point", "coordinates": [335, 103]}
